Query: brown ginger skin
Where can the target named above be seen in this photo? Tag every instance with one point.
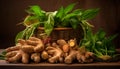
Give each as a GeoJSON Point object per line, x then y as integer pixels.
{"type": "Point", "coordinates": [35, 57]}
{"type": "Point", "coordinates": [70, 57]}
{"type": "Point", "coordinates": [39, 46]}
{"type": "Point", "coordinates": [56, 54]}
{"type": "Point", "coordinates": [64, 46]}
{"type": "Point", "coordinates": [44, 55]}
{"type": "Point", "coordinates": [15, 56]}
{"type": "Point", "coordinates": [24, 49]}
{"type": "Point", "coordinates": [60, 51]}
{"type": "Point", "coordinates": [84, 56]}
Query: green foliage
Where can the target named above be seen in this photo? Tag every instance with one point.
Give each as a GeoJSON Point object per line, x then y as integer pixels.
{"type": "Point", "coordinates": [35, 10]}
{"type": "Point", "coordinates": [98, 43]}
{"type": "Point", "coordinates": [89, 14]}
{"type": "Point", "coordinates": [63, 17]}
{"type": "Point", "coordinates": [49, 24]}
{"type": "Point", "coordinates": [27, 32]}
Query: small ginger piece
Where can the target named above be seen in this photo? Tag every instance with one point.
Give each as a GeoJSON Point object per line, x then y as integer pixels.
{"type": "Point", "coordinates": [64, 45]}
{"type": "Point", "coordinates": [72, 42]}
{"type": "Point", "coordinates": [56, 54]}
{"type": "Point", "coordinates": [84, 56]}
{"type": "Point", "coordinates": [44, 55]}
{"type": "Point", "coordinates": [25, 57]}
{"type": "Point", "coordinates": [36, 57]}
{"type": "Point", "coordinates": [61, 42]}
{"type": "Point", "coordinates": [70, 57]}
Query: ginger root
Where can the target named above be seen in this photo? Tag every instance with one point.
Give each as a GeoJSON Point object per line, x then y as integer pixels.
{"type": "Point", "coordinates": [72, 42]}
{"type": "Point", "coordinates": [64, 46]}
{"type": "Point", "coordinates": [24, 49]}
{"type": "Point", "coordinates": [44, 55]}
{"type": "Point", "coordinates": [37, 43]}
{"type": "Point", "coordinates": [15, 56]}
{"type": "Point", "coordinates": [84, 56]}
{"type": "Point", "coordinates": [36, 50]}
{"type": "Point", "coordinates": [36, 57]}
{"type": "Point", "coordinates": [70, 57]}
{"type": "Point", "coordinates": [56, 54]}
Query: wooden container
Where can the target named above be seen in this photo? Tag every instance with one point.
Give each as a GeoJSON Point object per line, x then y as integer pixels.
{"type": "Point", "coordinates": [63, 33]}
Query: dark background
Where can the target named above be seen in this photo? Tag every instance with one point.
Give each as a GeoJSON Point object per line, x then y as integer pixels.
{"type": "Point", "coordinates": [13, 12]}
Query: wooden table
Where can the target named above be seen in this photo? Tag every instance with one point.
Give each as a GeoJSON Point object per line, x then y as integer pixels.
{"type": "Point", "coordinates": [98, 65]}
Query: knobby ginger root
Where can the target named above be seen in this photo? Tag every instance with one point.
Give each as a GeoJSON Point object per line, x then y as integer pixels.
{"type": "Point", "coordinates": [27, 48]}
{"type": "Point", "coordinates": [64, 46]}
{"type": "Point", "coordinates": [15, 56]}
{"type": "Point", "coordinates": [84, 56]}
{"type": "Point", "coordinates": [36, 57]}
{"type": "Point", "coordinates": [39, 46]}
{"type": "Point", "coordinates": [34, 49]}
{"type": "Point", "coordinates": [56, 54]}
{"type": "Point", "coordinates": [70, 57]}
{"type": "Point", "coordinates": [13, 48]}
{"type": "Point", "coordinates": [44, 55]}
{"type": "Point", "coordinates": [24, 49]}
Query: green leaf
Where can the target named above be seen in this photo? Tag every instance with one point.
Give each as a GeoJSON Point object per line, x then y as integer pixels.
{"type": "Point", "coordinates": [29, 33]}
{"type": "Point", "coordinates": [74, 23]}
{"type": "Point", "coordinates": [89, 14]}
{"type": "Point", "coordinates": [69, 8]}
{"type": "Point", "coordinates": [100, 34]}
{"type": "Point", "coordinates": [30, 20]}
{"type": "Point", "coordinates": [78, 12]}
{"type": "Point", "coordinates": [110, 38]}
{"type": "Point", "coordinates": [48, 28]}
{"type": "Point", "coordinates": [60, 13]}
{"type": "Point", "coordinates": [49, 24]}
{"type": "Point", "coordinates": [20, 35]}
{"type": "Point", "coordinates": [35, 9]}
{"type": "Point", "coordinates": [68, 16]}
{"type": "Point", "coordinates": [30, 30]}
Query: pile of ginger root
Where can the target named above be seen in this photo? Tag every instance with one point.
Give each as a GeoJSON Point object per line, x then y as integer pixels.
{"type": "Point", "coordinates": [34, 50]}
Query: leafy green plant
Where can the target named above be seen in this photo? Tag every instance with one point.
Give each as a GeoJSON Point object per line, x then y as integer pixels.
{"type": "Point", "coordinates": [98, 43]}
{"type": "Point", "coordinates": [63, 17]}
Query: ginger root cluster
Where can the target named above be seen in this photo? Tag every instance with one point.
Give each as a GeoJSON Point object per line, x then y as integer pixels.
{"type": "Point", "coordinates": [35, 50]}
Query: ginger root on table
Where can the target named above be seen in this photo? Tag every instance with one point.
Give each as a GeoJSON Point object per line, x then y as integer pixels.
{"type": "Point", "coordinates": [84, 56]}
{"type": "Point", "coordinates": [64, 46]}
{"type": "Point", "coordinates": [55, 52]}
{"type": "Point", "coordinates": [24, 49]}
{"type": "Point", "coordinates": [70, 57]}
{"type": "Point", "coordinates": [35, 57]}
{"type": "Point", "coordinates": [35, 50]}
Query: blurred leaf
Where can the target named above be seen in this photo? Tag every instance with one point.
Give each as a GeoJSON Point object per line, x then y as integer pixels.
{"type": "Point", "coordinates": [36, 10]}
{"type": "Point", "coordinates": [20, 35]}
{"type": "Point", "coordinates": [100, 34]}
{"type": "Point", "coordinates": [78, 12]}
{"type": "Point", "coordinates": [89, 14]}
{"type": "Point", "coordinates": [110, 38]}
{"type": "Point", "coordinates": [69, 8]}
{"type": "Point", "coordinates": [68, 16]}
{"type": "Point", "coordinates": [74, 23]}
{"type": "Point", "coordinates": [30, 20]}
{"type": "Point", "coordinates": [60, 13]}
{"type": "Point", "coordinates": [49, 25]}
